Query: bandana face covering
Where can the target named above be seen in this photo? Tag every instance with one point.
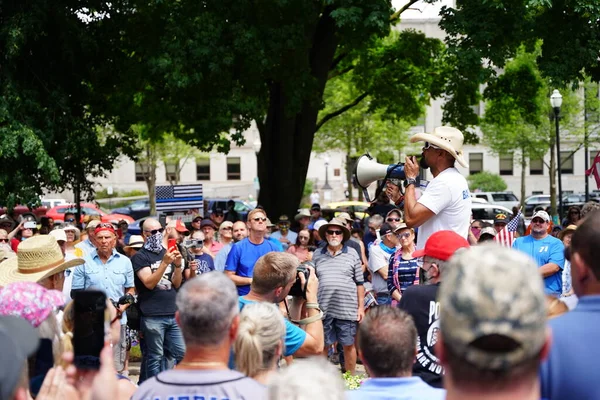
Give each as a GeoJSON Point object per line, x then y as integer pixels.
{"type": "Point", "coordinates": [154, 243]}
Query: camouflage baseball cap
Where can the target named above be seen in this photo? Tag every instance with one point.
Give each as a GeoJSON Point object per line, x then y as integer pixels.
{"type": "Point", "coordinates": [492, 292]}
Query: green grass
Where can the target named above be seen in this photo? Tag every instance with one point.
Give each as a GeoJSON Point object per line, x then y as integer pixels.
{"type": "Point", "coordinates": [135, 354]}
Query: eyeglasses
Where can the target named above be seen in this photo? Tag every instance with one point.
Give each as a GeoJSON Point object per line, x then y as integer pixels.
{"type": "Point", "coordinates": [394, 219]}
{"type": "Point", "coordinates": [4, 240]}
{"type": "Point", "coordinates": [429, 145]}
{"type": "Point", "coordinates": [70, 220]}
{"type": "Point", "coordinates": [155, 231]}
{"type": "Point", "coordinates": [263, 219]}
{"type": "Point", "coordinates": [332, 233]}
{"type": "Point", "coordinates": [197, 220]}
{"type": "Point", "coordinates": [218, 215]}
{"type": "Point", "coordinates": [404, 235]}
{"type": "Point", "coordinates": [105, 225]}
{"type": "Point", "coordinates": [537, 221]}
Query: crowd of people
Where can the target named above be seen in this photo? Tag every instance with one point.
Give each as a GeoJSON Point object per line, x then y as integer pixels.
{"type": "Point", "coordinates": [419, 293]}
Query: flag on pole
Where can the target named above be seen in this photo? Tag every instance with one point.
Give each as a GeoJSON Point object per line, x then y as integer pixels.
{"type": "Point", "coordinates": [595, 170]}
{"type": "Point", "coordinates": [506, 236]}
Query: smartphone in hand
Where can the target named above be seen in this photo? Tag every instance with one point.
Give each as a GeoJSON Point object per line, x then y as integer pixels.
{"type": "Point", "coordinates": [172, 245]}
{"type": "Point", "coordinates": [90, 327]}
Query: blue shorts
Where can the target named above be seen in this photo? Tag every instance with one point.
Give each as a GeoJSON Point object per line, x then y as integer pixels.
{"type": "Point", "coordinates": [339, 330]}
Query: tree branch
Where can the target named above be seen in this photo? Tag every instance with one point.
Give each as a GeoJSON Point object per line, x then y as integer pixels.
{"type": "Point", "coordinates": [341, 72]}
{"type": "Point", "coordinates": [396, 16]}
{"type": "Point", "coordinates": [337, 60]}
{"type": "Point", "coordinates": [340, 111]}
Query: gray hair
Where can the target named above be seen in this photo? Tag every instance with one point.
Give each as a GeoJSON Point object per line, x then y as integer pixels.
{"type": "Point", "coordinates": [376, 219]}
{"type": "Point", "coordinates": [588, 208]}
{"type": "Point", "coordinates": [260, 334]}
{"type": "Point", "coordinates": [307, 379]}
{"type": "Point", "coordinates": [207, 305]}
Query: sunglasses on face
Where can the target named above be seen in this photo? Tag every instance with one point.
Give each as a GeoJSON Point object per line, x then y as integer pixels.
{"type": "Point", "coordinates": [429, 145]}
{"type": "Point", "coordinates": [197, 220]}
{"type": "Point", "coordinates": [218, 215]}
{"type": "Point", "coordinates": [537, 221]}
{"type": "Point", "coordinates": [155, 231]}
{"type": "Point", "coordinates": [404, 235]}
{"type": "Point", "coordinates": [263, 219]}
{"type": "Point", "coordinates": [332, 233]}
{"type": "Point", "coordinates": [4, 240]}
{"type": "Point", "coordinates": [70, 220]}
{"type": "Point", "coordinates": [393, 219]}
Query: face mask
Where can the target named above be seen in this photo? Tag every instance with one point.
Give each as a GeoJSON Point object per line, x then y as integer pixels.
{"type": "Point", "coordinates": [154, 243]}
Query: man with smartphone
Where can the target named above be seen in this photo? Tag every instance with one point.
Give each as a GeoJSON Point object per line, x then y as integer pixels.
{"type": "Point", "coordinates": [158, 275]}
{"type": "Point", "coordinates": [107, 270]}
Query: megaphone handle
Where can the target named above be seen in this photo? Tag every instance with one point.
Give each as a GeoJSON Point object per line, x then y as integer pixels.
{"type": "Point", "coordinates": [366, 194]}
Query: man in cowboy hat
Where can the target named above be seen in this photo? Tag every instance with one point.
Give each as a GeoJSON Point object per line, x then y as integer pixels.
{"type": "Point", "coordinates": [446, 202]}
{"type": "Point", "coordinates": [39, 259]}
{"type": "Point", "coordinates": [303, 219]}
{"type": "Point", "coordinates": [341, 292]}
{"type": "Point", "coordinates": [284, 235]}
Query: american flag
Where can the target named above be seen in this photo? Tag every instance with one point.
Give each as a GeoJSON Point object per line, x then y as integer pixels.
{"type": "Point", "coordinates": [179, 198]}
{"type": "Point", "coordinates": [506, 236]}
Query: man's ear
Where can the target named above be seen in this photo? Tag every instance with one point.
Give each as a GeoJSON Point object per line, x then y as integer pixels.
{"type": "Point", "coordinates": [581, 271]}
{"type": "Point", "coordinates": [233, 330]}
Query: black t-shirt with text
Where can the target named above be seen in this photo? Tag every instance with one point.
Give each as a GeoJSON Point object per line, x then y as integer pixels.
{"type": "Point", "coordinates": [159, 301]}
{"type": "Point", "coordinates": [420, 302]}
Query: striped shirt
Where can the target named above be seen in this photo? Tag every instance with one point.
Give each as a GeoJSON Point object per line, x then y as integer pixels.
{"type": "Point", "coordinates": [339, 275]}
{"type": "Point", "coordinates": [402, 273]}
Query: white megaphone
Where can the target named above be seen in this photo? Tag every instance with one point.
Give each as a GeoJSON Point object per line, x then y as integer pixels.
{"type": "Point", "coordinates": [367, 171]}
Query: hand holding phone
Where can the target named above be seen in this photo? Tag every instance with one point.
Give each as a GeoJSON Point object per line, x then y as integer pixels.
{"type": "Point", "coordinates": [171, 245]}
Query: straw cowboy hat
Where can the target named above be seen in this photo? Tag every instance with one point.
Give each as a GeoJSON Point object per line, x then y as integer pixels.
{"type": "Point", "coordinates": [335, 223]}
{"type": "Point", "coordinates": [135, 242]}
{"type": "Point", "coordinates": [37, 258]}
{"type": "Point", "coordinates": [446, 138]}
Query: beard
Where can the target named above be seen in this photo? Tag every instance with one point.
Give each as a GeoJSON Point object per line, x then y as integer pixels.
{"type": "Point", "coordinates": [423, 163]}
{"type": "Point", "coordinates": [334, 242]}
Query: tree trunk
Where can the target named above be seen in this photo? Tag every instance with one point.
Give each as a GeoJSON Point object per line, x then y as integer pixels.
{"type": "Point", "coordinates": [349, 173]}
{"type": "Point", "coordinates": [523, 177]}
{"type": "Point", "coordinates": [151, 183]}
{"type": "Point", "coordinates": [552, 176]}
{"type": "Point", "coordinates": [288, 137]}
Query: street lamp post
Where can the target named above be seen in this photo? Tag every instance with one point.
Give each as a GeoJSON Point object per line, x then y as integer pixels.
{"type": "Point", "coordinates": [326, 187]}
{"type": "Point", "coordinates": [556, 102]}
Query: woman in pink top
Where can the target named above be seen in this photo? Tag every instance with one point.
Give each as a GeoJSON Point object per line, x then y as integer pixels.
{"type": "Point", "coordinates": [303, 246]}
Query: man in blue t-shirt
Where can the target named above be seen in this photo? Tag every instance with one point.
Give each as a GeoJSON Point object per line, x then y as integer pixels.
{"type": "Point", "coordinates": [546, 250]}
{"type": "Point", "coordinates": [243, 255]}
{"type": "Point", "coordinates": [572, 368]}
{"type": "Point", "coordinates": [273, 277]}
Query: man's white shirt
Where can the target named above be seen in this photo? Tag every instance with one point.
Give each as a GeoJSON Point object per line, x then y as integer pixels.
{"type": "Point", "coordinates": [447, 196]}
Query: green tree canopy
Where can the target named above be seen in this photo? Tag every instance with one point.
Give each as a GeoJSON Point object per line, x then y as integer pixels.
{"type": "Point", "coordinates": [486, 182]}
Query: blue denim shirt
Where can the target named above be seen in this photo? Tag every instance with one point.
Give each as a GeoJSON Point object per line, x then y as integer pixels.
{"type": "Point", "coordinates": [112, 278]}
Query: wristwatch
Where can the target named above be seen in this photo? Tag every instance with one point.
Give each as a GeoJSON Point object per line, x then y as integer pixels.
{"type": "Point", "coordinates": [410, 181]}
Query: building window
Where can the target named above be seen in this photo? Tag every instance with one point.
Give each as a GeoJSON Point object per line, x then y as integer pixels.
{"type": "Point", "coordinates": [139, 173]}
{"type": "Point", "coordinates": [234, 171]}
{"type": "Point", "coordinates": [506, 164]}
{"type": "Point", "coordinates": [566, 164]}
{"type": "Point", "coordinates": [171, 172]}
{"type": "Point", "coordinates": [336, 172]}
{"type": "Point", "coordinates": [203, 170]}
{"type": "Point", "coordinates": [475, 163]}
{"type": "Point", "coordinates": [536, 167]}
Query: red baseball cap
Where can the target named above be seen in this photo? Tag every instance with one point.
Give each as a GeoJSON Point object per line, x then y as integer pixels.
{"type": "Point", "coordinates": [442, 245]}
{"type": "Point", "coordinates": [180, 227]}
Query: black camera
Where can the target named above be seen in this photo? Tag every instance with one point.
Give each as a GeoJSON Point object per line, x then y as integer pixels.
{"type": "Point", "coordinates": [297, 290]}
{"type": "Point", "coordinates": [127, 298]}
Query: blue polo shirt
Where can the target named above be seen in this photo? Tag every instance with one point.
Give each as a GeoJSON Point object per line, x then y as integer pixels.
{"type": "Point", "coordinates": [544, 251]}
{"type": "Point", "coordinates": [243, 256]}
{"type": "Point", "coordinates": [112, 278]}
{"type": "Point", "coordinates": [408, 388]}
{"type": "Point", "coordinates": [571, 370]}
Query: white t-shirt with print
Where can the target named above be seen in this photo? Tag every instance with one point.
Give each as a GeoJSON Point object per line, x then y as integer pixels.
{"type": "Point", "coordinates": [447, 196]}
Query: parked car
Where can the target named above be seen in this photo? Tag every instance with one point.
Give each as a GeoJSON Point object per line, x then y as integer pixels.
{"type": "Point", "coordinates": [359, 208]}
{"type": "Point", "coordinates": [49, 203]}
{"type": "Point", "coordinates": [136, 210]}
{"type": "Point", "coordinates": [486, 212]}
{"type": "Point", "coordinates": [505, 199]}
{"type": "Point", "coordinates": [57, 213]}
{"type": "Point", "coordinates": [535, 203]}
{"type": "Point", "coordinates": [24, 211]}
{"type": "Point", "coordinates": [241, 207]}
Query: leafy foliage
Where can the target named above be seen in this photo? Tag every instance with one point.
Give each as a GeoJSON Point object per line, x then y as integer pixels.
{"type": "Point", "coordinates": [486, 182]}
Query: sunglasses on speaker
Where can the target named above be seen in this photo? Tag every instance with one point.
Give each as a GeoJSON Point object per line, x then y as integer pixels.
{"type": "Point", "coordinates": [429, 145]}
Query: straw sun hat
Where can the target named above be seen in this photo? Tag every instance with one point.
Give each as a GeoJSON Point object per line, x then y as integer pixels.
{"type": "Point", "coordinates": [37, 258]}
{"type": "Point", "coordinates": [446, 138]}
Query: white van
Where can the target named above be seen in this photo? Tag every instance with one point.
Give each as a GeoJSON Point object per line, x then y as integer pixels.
{"type": "Point", "coordinates": [51, 203]}
{"type": "Point", "coordinates": [505, 199]}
